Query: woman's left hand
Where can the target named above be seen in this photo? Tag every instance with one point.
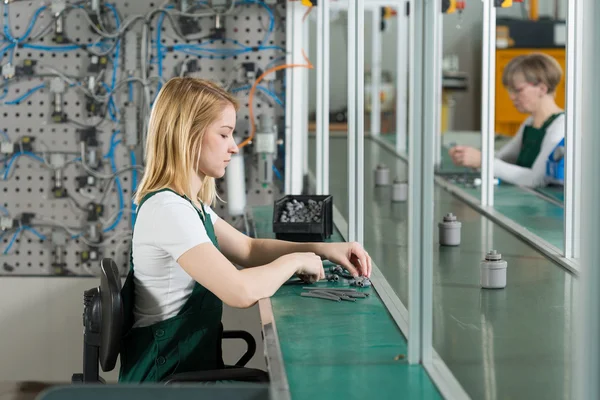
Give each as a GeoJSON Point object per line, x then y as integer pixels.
{"type": "Point", "coordinates": [351, 256]}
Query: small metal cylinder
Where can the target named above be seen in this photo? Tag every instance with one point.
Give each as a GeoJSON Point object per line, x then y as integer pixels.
{"type": "Point", "coordinates": [58, 178]}
{"type": "Point", "coordinates": [449, 230]}
{"type": "Point", "coordinates": [59, 255]}
{"type": "Point", "coordinates": [399, 190]}
{"type": "Point", "coordinates": [493, 271]}
{"type": "Point", "coordinates": [382, 175]}
{"type": "Point", "coordinates": [58, 100]}
{"type": "Point", "coordinates": [59, 25]}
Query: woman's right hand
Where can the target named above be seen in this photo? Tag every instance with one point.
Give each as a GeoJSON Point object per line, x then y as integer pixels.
{"type": "Point", "coordinates": [309, 266]}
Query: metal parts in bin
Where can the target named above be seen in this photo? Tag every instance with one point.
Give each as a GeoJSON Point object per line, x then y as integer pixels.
{"type": "Point", "coordinates": [303, 218]}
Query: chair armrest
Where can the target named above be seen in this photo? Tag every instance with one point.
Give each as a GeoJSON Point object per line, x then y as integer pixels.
{"type": "Point", "coordinates": [249, 339]}
{"type": "Point", "coordinates": [226, 374]}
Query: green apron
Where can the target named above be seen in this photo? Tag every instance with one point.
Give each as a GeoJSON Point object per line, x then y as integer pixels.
{"type": "Point", "coordinates": [532, 142]}
{"type": "Point", "coordinates": [187, 342]}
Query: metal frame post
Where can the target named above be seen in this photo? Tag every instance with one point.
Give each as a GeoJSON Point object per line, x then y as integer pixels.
{"type": "Point", "coordinates": [402, 60]}
{"type": "Point", "coordinates": [488, 91]}
{"type": "Point", "coordinates": [437, 105]}
{"type": "Point", "coordinates": [424, 18]}
{"type": "Point", "coordinates": [587, 385]}
{"type": "Point", "coordinates": [304, 104]}
{"type": "Point", "coordinates": [573, 130]}
{"type": "Point", "coordinates": [323, 98]}
{"type": "Point", "coordinates": [294, 115]}
{"type": "Point", "coordinates": [376, 72]}
{"type": "Point", "coordinates": [356, 105]}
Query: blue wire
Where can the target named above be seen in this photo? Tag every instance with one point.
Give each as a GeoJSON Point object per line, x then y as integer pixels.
{"type": "Point", "coordinates": [111, 156]}
{"type": "Point", "coordinates": [271, 19]}
{"type": "Point", "coordinates": [63, 48]}
{"type": "Point", "coordinates": [35, 232]}
{"type": "Point", "coordinates": [17, 155]}
{"type": "Point", "coordinates": [159, 47]}
{"type": "Point", "coordinates": [271, 94]}
{"type": "Point", "coordinates": [111, 103]}
{"type": "Point", "coordinates": [118, 46]}
{"type": "Point", "coordinates": [5, 211]}
{"type": "Point", "coordinates": [133, 185]}
{"type": "Point", "coordinates": [262, 89]}
{"type": "Point", "coordinates": [26, 95]}
{"type": "Point", "coordinates": [7, 32]}
{"type": "Point", "coordinates": [12, 241]}
{"type": "Point", "coordinates": [277, 173]}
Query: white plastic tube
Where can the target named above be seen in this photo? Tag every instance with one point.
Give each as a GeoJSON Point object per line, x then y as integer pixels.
{"type": "Point", "coordinates": [236, 186]}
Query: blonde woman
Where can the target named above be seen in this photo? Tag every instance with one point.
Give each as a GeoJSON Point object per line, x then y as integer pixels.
{"type": "Point", "coordinates": [180, 274]}
{"type": "Point", "coordinates": [531, 81]}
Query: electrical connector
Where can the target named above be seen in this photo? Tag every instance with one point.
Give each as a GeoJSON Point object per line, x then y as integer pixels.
{"type": "Point", "coordinates": [7, 147]}
{"type": "Point", "coordinates": [249, 70]}
{"type": "Point", "coordinates": [26, 218]}
{"type": "Point", "coordinates": [89, 136]}
{"type": "Point", "coordinates": [25, 143]}
{"type": "Point", "coordinates": [6, 223]}
{"type": "Point", "coordinates": [85, 181]}
{"type": "Point", "coordinates": [188, 25]}
{"type": "Point", "coordinates": [94, 212]}
{"type": "Point", "coordinates": [27, 68]}
{"type": "Point", "coordinates": [92, 106]}
{"type": "Point", "coordinates": [91, 254]}
{"type": "Point", "coordinates": [8, 71]}
{"type": "Point", "coordinates": [97, 64]}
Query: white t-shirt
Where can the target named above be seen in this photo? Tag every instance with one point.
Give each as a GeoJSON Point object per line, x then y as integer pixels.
{"type": "Point", "coordinates": [166, 226]}
{"type": "Point", "coordinates": [504, 164]}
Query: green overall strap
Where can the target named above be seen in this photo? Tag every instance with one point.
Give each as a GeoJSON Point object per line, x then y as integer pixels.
{"type": "Point", "coordinates": [189, 341]}
{"type": "Point", "coordinates": [532, 142]}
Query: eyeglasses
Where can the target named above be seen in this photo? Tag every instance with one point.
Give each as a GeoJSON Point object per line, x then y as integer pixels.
{"type": "Point", "coordinates": [515, 91]}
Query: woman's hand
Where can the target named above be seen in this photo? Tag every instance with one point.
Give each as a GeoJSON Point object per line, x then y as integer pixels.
{"type": "Point", "coordinates": [310, 266]}
{"type": "Point", "coordinates": [351, 256]}
{"type": "Point", "coordinates": [465, 156]}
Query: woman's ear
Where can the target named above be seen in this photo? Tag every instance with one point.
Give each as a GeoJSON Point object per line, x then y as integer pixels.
{"type": "Point", "coordinates": [543, 89]}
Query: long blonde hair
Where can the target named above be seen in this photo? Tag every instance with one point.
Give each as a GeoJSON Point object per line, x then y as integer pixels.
{"type": "Point", "coordinates": [182, 111]}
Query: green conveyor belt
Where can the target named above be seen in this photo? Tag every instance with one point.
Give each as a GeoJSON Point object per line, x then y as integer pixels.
{"type": "Point", "coordinates": [341, 350]}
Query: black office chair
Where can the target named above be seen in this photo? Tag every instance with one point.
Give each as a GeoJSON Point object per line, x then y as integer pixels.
{"type": "Point", "coordinates": [103, 325]}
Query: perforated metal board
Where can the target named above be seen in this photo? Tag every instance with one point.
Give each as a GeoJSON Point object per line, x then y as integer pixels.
{"type": "Point", "coordinates": [29, 186]}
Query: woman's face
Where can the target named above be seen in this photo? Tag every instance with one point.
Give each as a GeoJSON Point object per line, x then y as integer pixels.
{"type": "Point", "coordinates": [218, 145]}
{"type": "Point", "coordinates": [524, 95]}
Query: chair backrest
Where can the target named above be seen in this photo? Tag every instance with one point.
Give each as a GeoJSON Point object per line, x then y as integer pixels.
{"type": "Point", "coordinates": [111, 314]}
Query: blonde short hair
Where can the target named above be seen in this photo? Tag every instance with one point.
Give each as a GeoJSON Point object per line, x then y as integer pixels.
{"type": "Point", "coordinates": [182, 111]}
{"type": "Point", "coordinates": [536, 68]}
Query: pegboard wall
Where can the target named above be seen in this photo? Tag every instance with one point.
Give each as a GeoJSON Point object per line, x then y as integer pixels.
{"type": "Point", "coordinates": [74, 105]}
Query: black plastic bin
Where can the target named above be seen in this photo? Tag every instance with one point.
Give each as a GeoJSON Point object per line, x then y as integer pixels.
{"type": "Point", "coordinates": [304, 231]}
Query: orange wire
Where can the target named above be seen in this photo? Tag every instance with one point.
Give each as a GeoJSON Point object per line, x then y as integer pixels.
{"type": "Point", "coordinates": [307, 13]}
{"type": "Point", "coordinates": [253, 90]}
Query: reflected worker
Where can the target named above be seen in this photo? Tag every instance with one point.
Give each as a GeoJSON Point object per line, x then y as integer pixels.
{"type": "Point", "coordinates": [531, 81]}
